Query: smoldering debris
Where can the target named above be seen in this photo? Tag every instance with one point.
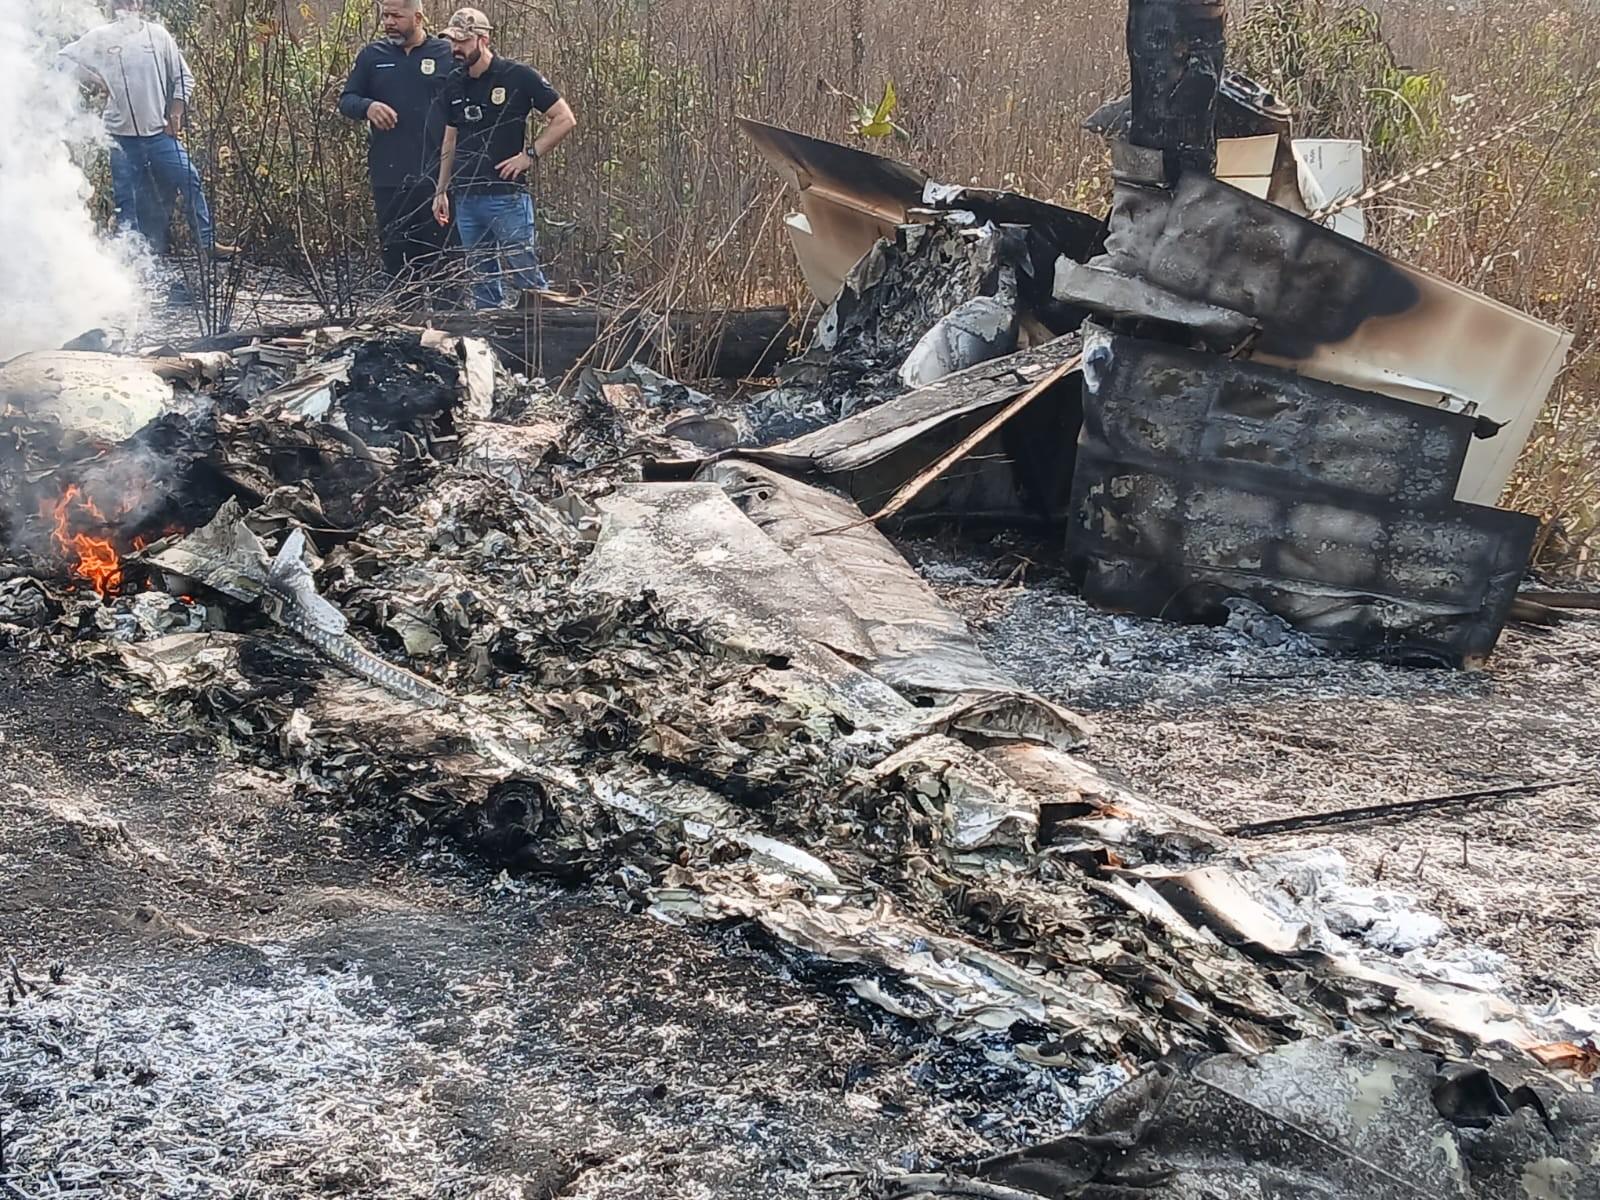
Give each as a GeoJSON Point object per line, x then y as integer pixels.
{"type": "Point", "coordinates": [725, 694]}
{"type": "Point", "coordinates": [606, 637]}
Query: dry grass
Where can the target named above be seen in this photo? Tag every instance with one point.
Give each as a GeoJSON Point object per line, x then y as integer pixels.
{"type": "Point", "coordinates": [658, 192]}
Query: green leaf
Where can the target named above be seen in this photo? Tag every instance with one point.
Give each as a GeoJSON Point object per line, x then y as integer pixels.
{"type": "Point", "coordinates": [876, 123]}
{"type": "Point", "coordinates": [886, 106]}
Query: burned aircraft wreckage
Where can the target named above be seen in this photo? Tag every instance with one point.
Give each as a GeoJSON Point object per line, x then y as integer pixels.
{"type": "Point", "coordinates": [1265, 407]}
{"type": "Point", "coordinates": [435, 592]}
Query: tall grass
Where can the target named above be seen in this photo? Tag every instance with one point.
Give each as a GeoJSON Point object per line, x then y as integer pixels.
{"type": "Point", "coordinates": [658, 192]}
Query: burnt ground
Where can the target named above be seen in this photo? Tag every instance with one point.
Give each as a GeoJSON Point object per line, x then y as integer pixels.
{"type": "Point", "coordinates": [1216, 723]}
{"type": "Point", "coordinates": [256, 998]}
{"type": "Point", "coordinates": [262, 295]}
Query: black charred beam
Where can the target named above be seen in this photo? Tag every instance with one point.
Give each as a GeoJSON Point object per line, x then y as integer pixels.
{"type": "Point", "coordinates": [1175, 53]}
{"type": "Point", "coordinates": [728, 343]}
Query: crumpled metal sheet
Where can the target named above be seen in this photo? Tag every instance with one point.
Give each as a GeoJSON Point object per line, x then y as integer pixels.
{"type": "Point", "coordinates": [105, 397]}
{"type": "Point", "coordinates": [918, 645]}
{"type": "Point", "coordinates": [971, 989]}
{"type": "Point", "coordinates": [675, 412]}
{"type": "Point", "coordinates": [850, 198]}
{"type": "Point", "coordinates": [847, 610]}
{"type": "Point", "coordinates": [514, 454]}
{"type": "Point", "coordinates": [1228, 902]}
{"type": "Point", "coordinates": [691, 546]}
{"type": "Point", "coordinates": [1022, 473]}
{"type": "Point", "coordinates": [1081, 807]}
{"type": "Point", "coordinates": [976, 804]}
{"type": "Point", "coordinates": [1333, 309]}
{"type": "Point", "coordinates": [867, 437]}
{"type": "Point", "coordinates": [1335, 1119]}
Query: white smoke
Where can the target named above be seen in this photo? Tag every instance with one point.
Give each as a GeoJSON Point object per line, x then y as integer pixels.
{"type": "Point", "coordinates": [58, 276]}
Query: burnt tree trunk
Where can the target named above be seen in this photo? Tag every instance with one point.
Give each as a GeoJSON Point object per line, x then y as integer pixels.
{"type": "Point", "coordinates": [1175, 52]}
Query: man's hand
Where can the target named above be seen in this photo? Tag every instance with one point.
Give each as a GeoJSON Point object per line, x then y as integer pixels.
{"type": "Point", "coordinates": [174, 127]}
{"type": "Point", "coordinates": [517, 164]}
{"type": "Point", "coordinates": [441, 208]}
{"type": "Point", "coordinates": [381, 116]}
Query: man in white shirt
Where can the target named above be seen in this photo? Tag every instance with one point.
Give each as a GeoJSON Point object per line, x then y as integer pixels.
{"type": "Point", "coordinates": [148, 86]}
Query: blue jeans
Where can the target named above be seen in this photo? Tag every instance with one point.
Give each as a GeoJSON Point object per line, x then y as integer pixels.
{"type": "Point", "coordinates": [497, 231]}
{"type": "Point", "coordinates": [145, 173]}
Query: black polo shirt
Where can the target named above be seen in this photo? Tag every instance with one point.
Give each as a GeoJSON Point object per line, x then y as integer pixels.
{"type": "Point", "coordinates": [490, 115]}
{"type": "Point", "coordinates": [411, 84]}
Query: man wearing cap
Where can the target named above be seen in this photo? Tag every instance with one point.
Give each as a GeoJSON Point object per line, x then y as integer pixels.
{"type": "Point", "coordinates": [486, 157]}
{"type": "Point", "coordinates": [148, 86]}
{"type": "Point", "coordinates": [395, 86]}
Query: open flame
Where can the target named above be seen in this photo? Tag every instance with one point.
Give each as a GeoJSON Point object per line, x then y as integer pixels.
{"type": "Point", "coordinates": [93, 558]}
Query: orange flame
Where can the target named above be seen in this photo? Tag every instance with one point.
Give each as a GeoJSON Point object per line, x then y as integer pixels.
{"type": "Point", "coordinates": [95, 559]}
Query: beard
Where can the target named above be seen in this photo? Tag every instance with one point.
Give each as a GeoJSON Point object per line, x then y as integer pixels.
{"type": "Point", "coordinates": [469, 58]}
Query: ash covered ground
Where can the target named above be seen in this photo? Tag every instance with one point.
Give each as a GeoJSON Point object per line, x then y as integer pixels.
{"type": "Point", "coordinates": [226, 992]}
{"type": "Point", "coordinates": [246, 295]}
{"type": "Point", "coordinates": [1219, 723]}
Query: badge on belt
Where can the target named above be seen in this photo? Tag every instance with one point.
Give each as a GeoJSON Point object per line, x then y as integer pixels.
{"type": "Point", "coordinates": [429, 66]}
{"type": "Point", "coordinates": [498, 96]}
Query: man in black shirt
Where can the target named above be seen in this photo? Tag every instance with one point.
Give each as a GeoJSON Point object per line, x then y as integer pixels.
{"type": "Point", "coordinates": [487, 155]}
{"type": "Point", "coordinates": [395, 86]}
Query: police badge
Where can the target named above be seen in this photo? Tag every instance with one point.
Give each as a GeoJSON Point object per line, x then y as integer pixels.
{"type": "Point", "coordinates": [429, 66]}
{"type": "Point", "coordinates": [498, 96]}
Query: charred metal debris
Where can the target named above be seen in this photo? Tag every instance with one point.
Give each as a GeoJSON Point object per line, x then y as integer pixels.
{"type": "Point", "coordinates": [1265, 407]}
{"type": "Point", "coordinates": [436, 594]}
{"type": "Point", "coordinates": [645, 636]}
